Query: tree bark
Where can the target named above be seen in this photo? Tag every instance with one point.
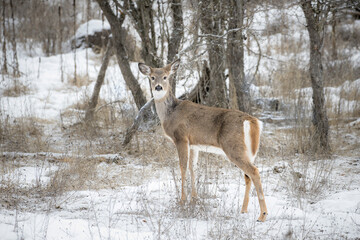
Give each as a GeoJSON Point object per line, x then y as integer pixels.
{"type": "Point", "coordinates": [176, 36]}
{"type": "Point", "coordinates": [235, 55]}
{"type": "Point", "coordinates": [89, 116]}
{"type": "Point", "coordinates": [121, 55]}
{"type": "Point", "coordinates": [4, 69]}
{"type": "Point", "coordinates": [333, 35]}
{"type": "Point", "coordinates": [143, 19]}
{"type": "Point", "coordinates": [75, 74]}
{"type": "Point", "coordinates": [16, 71]}
{"type": "Point", "coordinates": [201, 90]}
{"type": "Point", "coordinates": [212, 26]}
{"type": "Point", "coordinates": [319, 120]}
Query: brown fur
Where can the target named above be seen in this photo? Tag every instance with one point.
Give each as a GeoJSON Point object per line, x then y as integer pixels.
{"type": "Point", "coordinates": [187, 123]}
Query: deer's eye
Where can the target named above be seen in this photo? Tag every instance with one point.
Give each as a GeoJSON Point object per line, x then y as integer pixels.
{"type": "Point", "coordinates": [165, 78]}
{"type": "Point", "coordinates": [152, 78]}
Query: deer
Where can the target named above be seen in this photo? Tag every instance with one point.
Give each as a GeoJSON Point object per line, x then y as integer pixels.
{"type": "Point", "coordinates": [194, 127]}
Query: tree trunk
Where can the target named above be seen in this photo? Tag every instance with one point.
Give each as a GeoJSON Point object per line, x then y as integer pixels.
{"type": "Point", "coordinates": [16, 72]}
{"type": "Point", "coordinates": [144, 24]}
{"type": "Point", "coordinates": [333, 36]}
{"type": "Point", "coordinates": [320, 120]}
{"type": "Point", "coordinates": [201, 90]}
{"type": "Point", "coordinates": [89, 116]}
{"type": "Point", "coordinates": [211, 15]}
{"type": "Point", "coordinates": [121, 55]}
{"type": "Point", "coordinates": [75, 74]}
{"type": "Point", "coordinates": [142, 14]}
{"type": "Point", "coordinates": [235, 55]}
{"type": "Point", "coordinates": [60, 45]}
{"type": "Point", "coordinates": [4, 69]}
{"type": "Point", "coordinates": [176, 36]}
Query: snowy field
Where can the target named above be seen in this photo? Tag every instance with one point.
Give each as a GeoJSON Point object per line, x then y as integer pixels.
{"type": "Point", "coordinates": [77, 188]}
{"type": "Point", "coordinates": [145, 204]}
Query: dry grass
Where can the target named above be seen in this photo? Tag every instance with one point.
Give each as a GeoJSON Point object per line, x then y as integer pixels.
{"type": "Point", "coordinates": [79, 80]}
{"type": "Point", "coordinates": [337, 72]}
{"type": "Point", "coordinates": [307, 178]}
{"type": "Point", "coordinates": [278, 25]}
{"type": "Point", "coordinates": [287, 46]}
{"type": "Point", "coordinates": [290, 77]}
{"type": "Point", "coordinates": [22, 135]}
{"type": "Point", "coordinates": [15, 90]}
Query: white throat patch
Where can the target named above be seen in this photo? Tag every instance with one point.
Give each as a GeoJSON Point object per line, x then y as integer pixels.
{"type": "Point", "coordinates": [159, 94]}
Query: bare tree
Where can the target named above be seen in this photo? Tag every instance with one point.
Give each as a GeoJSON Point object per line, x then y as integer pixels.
{"type": "Point", "coordinates": [121, 55]}
{"type": "Point", "coordinates": [315, 14]}
{"type": "Point", "coordinates": [89, 115]}
{"type": "Point", "coordinates": [212, 27]}
{"type": "Point", "coordinates": [142, 15]}
{"type": "Point", "coordinates": [60, 43]}
{"type": "Point", "coordinates": [74, 8]}
{"type": "Point", "coordinates": [143, 19]}
{"type": "Point", "coordinates": [16, 72]}
{"type": "Point", "coordinates": [176, 36]}
{"type": "Point", "coordinates": [4, 69]}
{"type": "Point", "coordinates": [235, 54]}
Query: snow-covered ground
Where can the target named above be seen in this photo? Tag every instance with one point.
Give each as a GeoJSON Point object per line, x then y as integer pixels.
{"type": "Point", "coordinates": [150, 209]}
{"type": "Point", "coordinates": [134, 194]}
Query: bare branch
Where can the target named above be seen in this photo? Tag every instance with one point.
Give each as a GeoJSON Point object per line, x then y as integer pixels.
{"type": "Point", "coordinates": [144, 111]}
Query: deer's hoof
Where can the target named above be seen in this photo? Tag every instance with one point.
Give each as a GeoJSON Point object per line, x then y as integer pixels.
{"type": "Point", "coordinates": [262, 217]}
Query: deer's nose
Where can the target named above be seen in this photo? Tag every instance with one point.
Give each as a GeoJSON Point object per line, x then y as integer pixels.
{"type": "Point", "coordinates": [158, 88]}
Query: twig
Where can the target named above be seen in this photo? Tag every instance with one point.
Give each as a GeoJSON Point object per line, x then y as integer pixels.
{"type": "Point", "coordinates": [107, 104]}
{"type": "Point", "coordinates": [259, 55]}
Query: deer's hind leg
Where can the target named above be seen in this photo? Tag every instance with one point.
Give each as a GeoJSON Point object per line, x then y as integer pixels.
{"type": "Point", "coordinates": [253, 172]}
{"type": "Point", "coordinates": [247, 193]}
{"type": "Point", "coordinates": [241, 160]}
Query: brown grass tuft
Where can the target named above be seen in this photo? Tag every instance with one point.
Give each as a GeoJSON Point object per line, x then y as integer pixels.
{"type": "Point", "coordinates": [79, 80]}
{"type": "Point", "coordinates": [15, 90]}
{"type": "Point", "coordinates": [22, 135]}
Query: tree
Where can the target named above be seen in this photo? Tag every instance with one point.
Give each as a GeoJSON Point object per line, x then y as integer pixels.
{"type": "Point", "coordinates": [89, 115]}
{"type": "Point", "coordinates": [212, 27]}
{"type": "Point", "coordinates": [4, 69]}
{"type": "Point", "coordinates": [176, 36]}
{"type": "Point", "coordinates": [315, 13]}
{"type": "Point", "coordinates": [121, 55]}
{"type": "Point", "coordinates": [235, 54]}
{"type": "Point", "coordinates": [143, 18]}
{"type": "Point", "coordinates": [16, 72]}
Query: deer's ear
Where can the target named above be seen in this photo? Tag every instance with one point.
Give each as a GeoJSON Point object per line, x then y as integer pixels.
{"type": "Point", "coordinates": [144, 69]}
{"type": "Point", "coordinates": [175, 65]}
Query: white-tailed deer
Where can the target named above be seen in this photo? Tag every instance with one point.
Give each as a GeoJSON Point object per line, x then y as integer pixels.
{"type": "Point", "coordinates": [194, 127]}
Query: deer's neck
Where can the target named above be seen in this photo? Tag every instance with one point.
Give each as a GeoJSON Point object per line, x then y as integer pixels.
{"type": "Point", "coordinates": [166, 105]}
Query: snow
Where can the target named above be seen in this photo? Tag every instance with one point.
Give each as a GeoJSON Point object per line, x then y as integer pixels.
{"type": "Point", "coordinates": [137, 200]}
{"type": "Point", "coordinates": [51, 96]}
{"type": "Point", "coordinates": [140, 212]}
{"type": "Point", "coordinates": [91, 27]}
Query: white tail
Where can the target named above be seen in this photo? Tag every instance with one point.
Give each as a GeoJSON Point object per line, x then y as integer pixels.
{"type": "Point", "coordinates": [194, 127]}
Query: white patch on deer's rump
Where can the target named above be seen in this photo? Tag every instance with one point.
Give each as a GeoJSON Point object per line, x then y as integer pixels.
{"type": "Point", "coordinates": [247, 140]}
{"type": "Point", "coordinates": [260, 126]}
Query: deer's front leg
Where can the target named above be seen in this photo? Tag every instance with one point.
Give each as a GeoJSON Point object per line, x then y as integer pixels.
{"type": "Point", "coordinates": [183, 151]}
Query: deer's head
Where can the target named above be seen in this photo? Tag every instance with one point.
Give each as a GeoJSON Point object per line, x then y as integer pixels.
{"type": "Point", "coordinates": [159, 78]}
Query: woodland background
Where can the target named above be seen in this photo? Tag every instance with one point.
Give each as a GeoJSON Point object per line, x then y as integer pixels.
{"type": "Point", "coordinates": [79, 161]}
